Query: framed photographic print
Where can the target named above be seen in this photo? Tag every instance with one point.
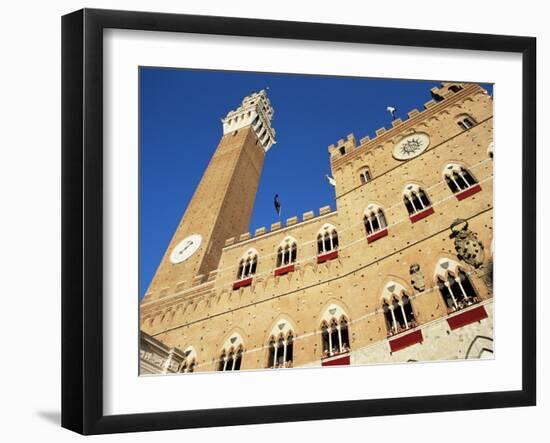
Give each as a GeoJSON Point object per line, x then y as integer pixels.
{"type": "Point", "coordinates": [270, 221]}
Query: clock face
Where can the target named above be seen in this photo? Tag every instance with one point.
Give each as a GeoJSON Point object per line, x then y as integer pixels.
{"type": "Point", "coordinates": [411, 146]}
{"type": "Point", "coordinates": [185, 248]}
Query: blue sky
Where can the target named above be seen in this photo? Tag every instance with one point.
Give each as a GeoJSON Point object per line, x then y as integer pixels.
{"type": "Point", "coordinates": [180, 112]}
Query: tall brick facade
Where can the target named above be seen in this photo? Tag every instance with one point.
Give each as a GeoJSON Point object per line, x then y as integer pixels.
{"type": "Point", "coordinates": [389, 275]}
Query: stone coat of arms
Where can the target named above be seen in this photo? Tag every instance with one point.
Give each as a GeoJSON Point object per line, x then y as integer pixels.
{"type": "Point", "coordinates": [417, 277]}
{"type": "Point", "coordinates": [467, 245]}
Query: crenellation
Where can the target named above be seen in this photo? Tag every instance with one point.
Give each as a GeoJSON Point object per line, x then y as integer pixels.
{"type": "Point", "coordinates": [212, 275]}
{"type": "Point", "coordinates": [396, 122]}
{"type": "Point", "coordinates": [291, 221]}
{"type": "Point", "coordinates": [429, 104]}
{"type": "Point", "coordinates": [350, 141]}
{"type": "Point", "coordinates": [259, 231]}
{"type": "Point", "coordinates": [244, 236]}
{"type": "Point", "coordinates": [343, 146]}
{"type": "Point", "coordinates": [308, 215]}
{"type": "Point", "coordinates": [324, 210]}
{"type": "Point", "coordinates": [461, 92]}
{"type": "Point", "coordinates": [198, 279]}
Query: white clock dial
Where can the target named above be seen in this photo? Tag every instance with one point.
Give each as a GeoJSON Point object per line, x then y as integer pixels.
{"type": "Point", "coordinates": [411, 146]}
{"type": "Point", "coordinates": [185, 248]}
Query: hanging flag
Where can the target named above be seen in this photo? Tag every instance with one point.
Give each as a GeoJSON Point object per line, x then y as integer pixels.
{"type": "Point", "coordinates": [391, 110]}
{"type": "Point", "coordinates": [330, 180]}
{"type": "Point", "coordinates": [277, 204]}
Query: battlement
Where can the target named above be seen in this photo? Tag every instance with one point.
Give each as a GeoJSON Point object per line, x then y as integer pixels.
{"type": "Point", "coordinates": [291, 222]}
{"type": "Point", "coordinates": [344, 149]}
{"type": "Point", "coordinates": [257, 112]}
{"type": "Point", "coordinates": [167, 297]}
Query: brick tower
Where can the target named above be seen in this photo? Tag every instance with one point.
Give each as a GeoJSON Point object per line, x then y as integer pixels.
{"type": "Point", "coordinates": [222, 204]}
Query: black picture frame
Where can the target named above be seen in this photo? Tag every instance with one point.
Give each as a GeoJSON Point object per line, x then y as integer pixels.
{"type": "Point", "coordinates": [82, 218]}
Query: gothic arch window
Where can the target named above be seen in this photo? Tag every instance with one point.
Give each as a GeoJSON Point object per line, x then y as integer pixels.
{"type": "Point", "coordinates": [327, 239]}
{"type": "Point", "coordinates": [458, 178]}
{"type": "Point", "coordinates": [281, 346]}
{"type": "Point", "coordinates": [415, 199]}
{"type": "Point", "coordinates": [364, 175]}
{"type": "Point", "coordinates": [287, 252]}
{"type": "Point", "coordinates": [398, 310]}
{"type": "Point", "coordinates": [334, 332]}
{"type": "Point", "coordinates": [248, 264]}
{"type": "Point", "coordinates": [231, 356]}
{"type": "Point", "coordinates": [465, 121]}
{"type": "Point", "coordinates": [374, 220]}
{"type": "Point", "coordinates": [189, 361]}
{"type": "Point", "coordinates": [455, 285]}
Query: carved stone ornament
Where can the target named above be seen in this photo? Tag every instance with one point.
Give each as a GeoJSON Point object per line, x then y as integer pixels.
{"type": "Point", "coordinates": [417, 277]}
{"type": "Point", "coordinates": [467, 245]}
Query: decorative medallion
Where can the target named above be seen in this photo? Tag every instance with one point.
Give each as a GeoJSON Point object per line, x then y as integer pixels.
{"type": "Point", "coordinates": [332, 311]}
{"type": "Point", "coordinates": [411, 146]}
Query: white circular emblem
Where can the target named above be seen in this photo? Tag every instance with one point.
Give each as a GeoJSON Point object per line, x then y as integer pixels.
{"type": "Point", "coordinates": [185, 248]}
{"type": "Point", "coordinates": [411, 146]}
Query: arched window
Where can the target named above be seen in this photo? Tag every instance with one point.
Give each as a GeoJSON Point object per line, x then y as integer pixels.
{"type": "Point", "coordinates": [466, 121]}
{"type": "Point", "coordinates": [364, 175]}
{"type": "Point", "coordinates": [189, 361]}
{"type": "Point", "coordinates": [455, 286]}
{"type": "Point", "coordinates": [397, 307]}
{"type": "Point", "coordinates": [334, 332]}
{"type": "Point", "coordinates": [287, 252]}
{"type": "Point", "coordinates": [232, 353]}
{"type": "Point", "coordinates": [327, 239]}
{"type": "Point", "coordinates": [458, 178]}
{"type": "Point", "coordinates": [248, 264]}
{"type": "Point", "coordinates": [281, 350]}
{"type": "Point", "coordinates": [281, 345]}
{"type": "Point", "coordinates": [374, 220]}
{"type": "Point", "coordinates": [416, 200]}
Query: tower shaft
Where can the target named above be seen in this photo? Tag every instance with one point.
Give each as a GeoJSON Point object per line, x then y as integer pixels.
{"type": "Point", "coordinates": [222, 204]}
